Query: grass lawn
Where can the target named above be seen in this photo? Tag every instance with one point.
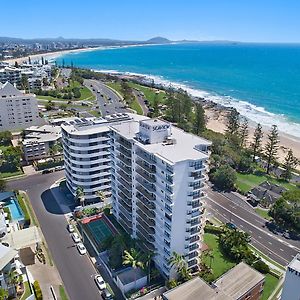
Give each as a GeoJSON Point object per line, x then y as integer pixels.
{"type": "Point", "coordinates": [245, 182]}
{"type": "Point", "coordinates": [2, 148]}
{"type": "Point", "coordinates": [27, 291]}
{"type": "Point", "coordinates": [263, 213]}
{"type": "Point", "coordinates": [10, 174]}
{"type": "Point", "coordinates": [95, 113]}
{"type": "Point", "coordinates": [62, 293]}
{"type": "Point", "coordinates": [220, 264]}
{"type": "Point", "coordinates": [270, 285]}
{"type": "Point", "coordinates": [134, 105]}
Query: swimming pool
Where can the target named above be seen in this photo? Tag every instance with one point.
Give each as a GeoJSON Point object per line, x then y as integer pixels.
{"type": "Point", "coordinates": [15, 209]}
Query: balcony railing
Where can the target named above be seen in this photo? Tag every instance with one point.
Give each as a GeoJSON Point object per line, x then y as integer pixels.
{"type": "Point", "coordinates": [125, 191]}
{"type": "Point", "coordinates": [146, 175]}
{"type": "Point", "coordinates": [126, 226]}
{"type": "Point", "coordinates": [124, 176]}
{"type": "Point", "coordinates": [125, 220]}
{"type": "Point", "coordinates": [124, 183]}
{"type": "Point", "coordinates": [124, 143]}
{"type": "Point", "coordinates": [126, 206]}
{"type": "Point", "coordinates": [124, 151]}
{"type": "Point", "coordinates": [147, 212]}
{"type": "Point", "coordinates": [124, 212]}
{"type": "Point", "coordinates": [125, 169]}
{"type": "Point", "coordinates": [146, 157]}
{"type": "Point", "coordinates": [148, 204]}
{"type": "Point", "coordinates": [148, 245]}
{"type": "Point", "coordinates": [145, 193]}
{"type": "Point", "coordinates": [125, 160]}
{"type": "Point", "coordinates": [145, 166]}
{"type": "Point", "coordinates": [148, 237]}
{"type": "Point", "coordinates": [150, 187]}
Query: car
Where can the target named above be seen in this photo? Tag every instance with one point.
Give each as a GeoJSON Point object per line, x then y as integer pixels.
{"type": "Point", "coordinates": [81, 248]}
{"type": "Point", "coordinates": [59, 168]}
{"type": "Point", "coordinates": [70, 228]}
{"type": "Point", "coordinates": [91, 85]}
{"type": "Point", "coordinates": [106, 294]}
{"type": "Point", "coordinates": [75, 237]}
{"type": "Point", "coordinates": [104, 104]}
{"type": "Point", "coordinates": [98, 92]}
{"type": "Point", "coordinates": [231, 225]}
{"type": "Point", "coordinates": [46, 171]}
{"type": "Point", "coordinates": [100, 282]}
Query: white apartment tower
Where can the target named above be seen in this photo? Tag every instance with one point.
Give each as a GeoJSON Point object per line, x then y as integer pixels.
{"type": "Point", "coordinates": [158, 177]}
{"type": "Point", "coordinates": [17, 110]}
{"type": "Point", "coordinates": [155, 173]}
{"type": "Point", "coordinates": [291, 285]}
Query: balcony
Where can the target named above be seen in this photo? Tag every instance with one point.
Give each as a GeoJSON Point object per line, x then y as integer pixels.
{"type": "Point", "coordinates": [126, 227]}
{"type": "Point", "coordinates": [145, 193]}
{"type": "Point", "coordinates": [125, 220]}
{"type": "Point", "coordinates": [145, 244]}
{"type": "Point", "coordinates": [193, 239]}
{"type": "Point", "coordinates": [147, 212]}
{"type": "Point", "coordinates": [145, 166]}
{"type": "Point", "coordinates": [124, 183]}
{"type": "Point", "coordinates": [126, 205]}
{"type": "Point", "coordinates": [124, 143]}
{"type": "Point", "coordinates": [192, 263]}
{"type": "Point", "coordinates": [125, 191]}
{"type": "Point", "coordinates": [143, 214]}
{"type": "Point", "coordinates": [148, 237]}
{"type": "Point", "coordinates": [125, 213]}
{"type": "Point", "coordinates": [147, 223]}
{"type": "Point", "coordinates": [146, 157]}
{"type": "Point", "coordinates": [192, 255]}
{"type": "Point", "coordinates": [125, 169]}
{"type": "Point", "coordinates": [146, 175]}
{"type": "Point", "coordinates": [150, 187]}
{"type": "Point", "coordinates": [148, 204]}
{"type": "Point", "coordinates": [125, 160]}
{"type": "Point", "coordinates": [194, 230]}
{"type": "Point", "coordinates": [124, 197]}
{"type": "Point", "coordinates": [124, 151]}
{"type": "Point", "coordinates": [125, 176]}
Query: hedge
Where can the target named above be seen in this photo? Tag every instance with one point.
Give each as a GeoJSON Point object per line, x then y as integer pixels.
{"type": "Point", "coordinates": [213, 229]}
{"type": "Point", "coordinates": [49, 164]}
{"type": "Point", "coordinates": [37, 290]}
{"type": "Point", "coordinates": [23, 206]}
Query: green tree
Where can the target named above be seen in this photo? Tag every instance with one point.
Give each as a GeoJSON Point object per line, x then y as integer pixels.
{"type": "Point", "coordinates": [49, 105]}
{"type": "Point", "coordinates": [79, 195]}
{"type": "Point", "coordinates": [224, 177]}
{"type": "Point", "coordinates": [24, 82]}
{"type": "Point", "coordinates": [199, 119]}
{"type": "Point", "coordinates": [101, 195]}
{"type": "Point", "coordinates": [244, 132]}
{"type": "Point", "coordinates": [257, 141]}
{"type": "Point", "coordinates": [5, 138]}
{"type": "Point", "coordinates": [16, 64]}
{"type": "Point", "coordinates": [179, 263]}
{"type": "Point", "coordinates": [134, 259]}
{"type": "Point", "coordinates": [233, 123]}
{"type": "Point", "coordinates": [3, 294]}
{"type": "Point", "coordinates": [290, 163]}
{"type": "Point", "coordinates": [11, 158]}
{"type": "Point", "coordinates": [271, 147]}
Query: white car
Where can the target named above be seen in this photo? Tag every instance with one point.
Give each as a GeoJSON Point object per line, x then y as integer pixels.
{"type": "Point", "coordinates": [81, 248]}
{"type": "Point", "coordinates": [75, 237]}
{"type": "Point", "coordinates": [70, 228]}
{"type": "Point", "coordinates": [100, 282]}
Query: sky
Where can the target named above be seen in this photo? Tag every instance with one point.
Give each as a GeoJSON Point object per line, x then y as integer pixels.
{"type": "Point", "coordinates": [236, 20]}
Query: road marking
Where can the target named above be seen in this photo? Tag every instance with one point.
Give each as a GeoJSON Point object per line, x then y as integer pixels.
{"type": "Point", "coordinates": [259, 237]}
{"type": "Point", "coordinates": [270, 243]}
{"type": "Point", "coordinates": [250, 231]}
{"type": "Point", "coordinates": [242, 226]}
{"type": "Point", "coordinates": [281, 249]}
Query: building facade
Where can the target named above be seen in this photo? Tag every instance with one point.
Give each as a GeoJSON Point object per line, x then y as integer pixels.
{"type": "Point", "coordinates": [17, 110]}
{"type": "Point", "coordinates": [291, 285]}
{"type": "Point", "coordinates": [156, 173]}
{"type": "Point", "coordinates": [158, 180]}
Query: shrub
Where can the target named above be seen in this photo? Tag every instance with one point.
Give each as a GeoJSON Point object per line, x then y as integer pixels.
{"type": "Point", "coordinates": [37, 290]}
{"type": "Point", "coordinates": [213, 229]}
{"type": "Point", "coordinates": [171, 284]}
{"type": "Point", "coordinates": [261, 266]}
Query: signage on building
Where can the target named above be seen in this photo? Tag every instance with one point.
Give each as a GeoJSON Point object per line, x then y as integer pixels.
{"type": "Point", "coordinates": [294, 271]}
{"type": "Point", "coordinates": [160, 127]}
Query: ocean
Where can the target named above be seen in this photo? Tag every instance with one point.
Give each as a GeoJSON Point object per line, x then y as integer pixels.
{"type": "Point", "coordinates": [262, 81]}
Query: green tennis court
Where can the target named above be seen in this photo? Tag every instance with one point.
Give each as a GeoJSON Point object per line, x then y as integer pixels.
{"type": "Point", "coordinates": [99, 230]}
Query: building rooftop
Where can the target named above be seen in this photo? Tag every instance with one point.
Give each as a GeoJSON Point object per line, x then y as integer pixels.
{"type": "Point", "coordinates": [180, 145]}
{"type": "Point", "coordinates": [295, 263]}
{"type": "Point", "coordinates": [8, 90]}
{"type": "Point", "coordinates": [6, 255]}
{"type": "Point", "coordinates": [195, 289]}
{"type": "Point", "coordinates": [239, 280]}
{"type": "Point", "coordinates": [130, 275]}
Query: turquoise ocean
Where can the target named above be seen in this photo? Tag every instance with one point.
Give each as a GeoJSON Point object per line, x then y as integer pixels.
{"type": "Point", "coordinates": [262, 81]}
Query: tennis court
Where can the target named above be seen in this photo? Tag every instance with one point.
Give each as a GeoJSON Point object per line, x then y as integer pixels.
{"type": "Point", "coordinates": [98, 228]}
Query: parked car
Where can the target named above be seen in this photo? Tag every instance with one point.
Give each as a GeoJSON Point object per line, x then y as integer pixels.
{"type": "Point", "coordinates": [100, 282]}
{"type": "Point", "coordinates": [231, 225]}
{"type": "Point", "coordinates": [46, 171]}
{"type": "Point", "coordinates": [75, 237]}
{"type": "Point", "coordinates": [70, 228]}
{"type": "Point", "coordinates": [81, 248]}
{"type": "Point", "coordinates": [106, 294]}
{"type": "Point", "coordinates": [59, 168]}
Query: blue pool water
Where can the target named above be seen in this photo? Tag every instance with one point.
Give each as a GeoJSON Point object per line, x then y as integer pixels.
{"type": "Point", "coordinates": [15, 210]}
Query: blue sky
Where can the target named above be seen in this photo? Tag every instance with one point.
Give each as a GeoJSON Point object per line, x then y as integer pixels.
{"type": "Point", "coordinates": [240, 20]}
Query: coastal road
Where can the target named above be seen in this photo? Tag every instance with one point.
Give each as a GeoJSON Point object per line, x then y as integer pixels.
{"type": "Point", "coordinates": [141, 99]}
{"type": "Point", "coordinates": [75, 270]}
{"type": "Point", "coordinates": [227, 209]}
{"type": "Point", "coordinates": [109, 102]}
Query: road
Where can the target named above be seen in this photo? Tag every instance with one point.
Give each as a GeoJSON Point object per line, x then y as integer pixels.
{"type": "Point", "coordinates": [229, 209]}
{"type": "Point", "coordinates": [141, 99]}
{"type": "Point", "coordinates": [107, 107]}
{"type": "Point", "coordinates": [75, 270]}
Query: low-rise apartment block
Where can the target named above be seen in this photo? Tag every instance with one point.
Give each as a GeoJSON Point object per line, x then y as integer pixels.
{"type": "Point", "coordinates": [17, 110]}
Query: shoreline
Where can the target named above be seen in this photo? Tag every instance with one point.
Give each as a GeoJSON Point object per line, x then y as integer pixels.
{"type": "Point", "coordinates": [216, 115]}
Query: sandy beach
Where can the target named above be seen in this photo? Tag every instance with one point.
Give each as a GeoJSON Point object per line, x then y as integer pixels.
{"type": "Point", "coordinates": [216, 117]}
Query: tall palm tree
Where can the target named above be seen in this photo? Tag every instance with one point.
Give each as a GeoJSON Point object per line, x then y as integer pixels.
{"type": "Point", "coordinates": [101, 195]}
{"type": "Point", "coordinates": [13, 279]}
{"type": "Point", "coordinates": [80, 195]}
{"type": "Point", "coordinates": [178, 262]}
{"type": "Point", "coordinates": [147, 258]}
{"type": "Point", "coordinates": [133, 258]}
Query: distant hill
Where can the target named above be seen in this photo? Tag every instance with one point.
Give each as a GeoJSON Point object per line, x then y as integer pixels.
{"type": "Point", "coordinates": [158, 40]}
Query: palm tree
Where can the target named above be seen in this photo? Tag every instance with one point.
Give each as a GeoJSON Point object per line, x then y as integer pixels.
{"type": "Point", "coordinates": [178, 262]}
{"type": "Point", "coordinates": [13, 279]}
{"type": "Point", "coordinates": [101, 195]}
{"type": "Point", "coordinates": [133, 258]}
{"type": "Point", "coordinates": [209, 254]}
{"type": "Point", "coordinates": [3, 294]}
{"type": "Point", "coordinates": [80, 195]}
{"type": "Point", "coordinates": [147, 258]}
